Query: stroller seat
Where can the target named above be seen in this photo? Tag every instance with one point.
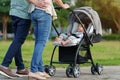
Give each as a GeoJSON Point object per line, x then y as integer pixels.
{"type": "Point", "coordinates": [74, 32]}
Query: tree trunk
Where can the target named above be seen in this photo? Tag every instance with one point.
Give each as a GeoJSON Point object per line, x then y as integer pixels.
{"type": "Point", "coordinates": [5, 18]}
{"type": "Point", "coordinates": [117, 25]}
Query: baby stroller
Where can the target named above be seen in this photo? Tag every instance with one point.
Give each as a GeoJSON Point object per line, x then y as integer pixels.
{"type": "Point", "coordinates": [79, 53]}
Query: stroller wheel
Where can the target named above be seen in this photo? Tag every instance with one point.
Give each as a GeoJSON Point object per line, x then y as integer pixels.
{"type": "Point", "coordinates": [51, 70]}
{"type": "Point", "coordinates": [76, 71]}
{"type": "Point", "coordinates": [69, 71]}
{"type": "Point", "coordinates": [99, 68]}
{"type": "Point", "coordinates": [93, 71]}
{"type": "Point", "coordinates": [46, 68]}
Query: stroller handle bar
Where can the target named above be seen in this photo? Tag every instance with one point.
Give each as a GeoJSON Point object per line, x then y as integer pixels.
{"type": "Point", "coordinates": [69, 9]}
{"type": "Point", "coordinates": [58, 8]}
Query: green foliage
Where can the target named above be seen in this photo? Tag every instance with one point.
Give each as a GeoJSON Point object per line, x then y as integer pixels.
{"type": "Point", "coordinates": [62, 17]}
{"type": "Point", "coordinates": [112, 37]}
{"type": "Point", "coordinates": [80, 3]}
{"type": "Point", "coordinates": [62, 14]}
{"type": "Point", "coordinates": [30, 37]}
{"type": "Point", "coordinates": [4, 6]}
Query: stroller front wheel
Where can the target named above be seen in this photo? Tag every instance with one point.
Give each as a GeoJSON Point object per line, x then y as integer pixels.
{"type": "Point", "coordinates": [76, 71]}
{"type": "Point", "coordinates": [69, 71]}
{"type": "Point", "coordinates": [46, 68]}
{"type": "Point", "coordinates": [93, 71]}
{"type": "Point", "coordinates": [97, 69]}
{"type": "Point", "coordinates": [51, 70]}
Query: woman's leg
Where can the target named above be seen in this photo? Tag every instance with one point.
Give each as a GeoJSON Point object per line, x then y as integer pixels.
{"type": "Point", "coordinates": [42, 26]}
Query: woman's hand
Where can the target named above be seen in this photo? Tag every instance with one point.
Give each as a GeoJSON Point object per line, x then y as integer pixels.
{"type": "Point", "coordinates": [65, 6]}
{"type": "Point", "coordinates": [61, 4]}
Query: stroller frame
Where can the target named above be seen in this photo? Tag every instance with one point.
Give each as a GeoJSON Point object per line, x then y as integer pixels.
{"type": "Point", "coordinates": [73, 68]}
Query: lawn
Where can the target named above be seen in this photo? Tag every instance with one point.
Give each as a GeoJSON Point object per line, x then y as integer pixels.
{"type": "Point", "coordinates": [104, 52]}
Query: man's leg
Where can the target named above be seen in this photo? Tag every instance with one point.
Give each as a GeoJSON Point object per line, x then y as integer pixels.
{"type": "Point", "coordinates": [21, 34]}
{"type": "Point", "coordinates": [13, 49]}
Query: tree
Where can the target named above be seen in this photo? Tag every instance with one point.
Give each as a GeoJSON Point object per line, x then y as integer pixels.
{"type": "Point", "coordinates": [63, 15]}
{"type": "Point", "coordinates": [4, 13]}
{"type": "Point", "coordinates": [110, 14]}
{"type": "Point", "coordinates": [108, 10]}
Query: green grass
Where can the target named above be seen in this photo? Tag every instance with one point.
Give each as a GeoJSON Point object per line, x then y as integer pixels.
{"type": "Point", "coordinates": [104, 52]}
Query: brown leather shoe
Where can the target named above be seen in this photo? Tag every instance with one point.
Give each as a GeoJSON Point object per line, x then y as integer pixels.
{"type": "Point", "coordinates": [6, 72]}
{"type": "Point", "coordinates": [23, 72]}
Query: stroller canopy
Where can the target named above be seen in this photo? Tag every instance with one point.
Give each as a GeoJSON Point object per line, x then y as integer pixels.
{"type": "Point", "coordinates": [92, 15]}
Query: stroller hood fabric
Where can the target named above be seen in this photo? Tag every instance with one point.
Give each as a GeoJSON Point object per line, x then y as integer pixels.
{"type": "Point", "coordinates": [92, 14]}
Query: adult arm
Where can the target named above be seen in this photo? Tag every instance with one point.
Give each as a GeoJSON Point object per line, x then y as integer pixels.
{"type": "Point", "coordinates": [61, 4]}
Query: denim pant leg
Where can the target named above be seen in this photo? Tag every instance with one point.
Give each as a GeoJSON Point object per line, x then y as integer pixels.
{"type": "Point", "coordinates": [42, 25]}
{"type": "Point", "coordinates": [20, 28]}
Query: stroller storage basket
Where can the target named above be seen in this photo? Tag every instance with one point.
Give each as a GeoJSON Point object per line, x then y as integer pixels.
{"type": "Point", "coordinates": [67, 54]}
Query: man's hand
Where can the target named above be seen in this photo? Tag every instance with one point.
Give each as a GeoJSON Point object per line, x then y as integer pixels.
{"type": "Point", "coordinates": [39, 3]}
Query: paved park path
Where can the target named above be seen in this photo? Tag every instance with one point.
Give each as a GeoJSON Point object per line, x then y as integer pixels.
{"type": "Point", "coordinates": [109, 73]}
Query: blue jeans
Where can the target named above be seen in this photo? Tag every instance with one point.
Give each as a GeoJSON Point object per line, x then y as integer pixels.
{"type": "Point", "coordinates": [42, 25]}
{"type": "Point", "coordinates": [20, 28]}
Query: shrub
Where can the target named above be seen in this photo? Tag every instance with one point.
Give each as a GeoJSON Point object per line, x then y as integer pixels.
{"type": "Point", "coordinates": [111, 37]}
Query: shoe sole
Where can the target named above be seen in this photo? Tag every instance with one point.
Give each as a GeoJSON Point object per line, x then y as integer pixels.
{"type": "Point", "coordinates": [20, 75]}
{"type": "Point", "coordinates": [4, 74]}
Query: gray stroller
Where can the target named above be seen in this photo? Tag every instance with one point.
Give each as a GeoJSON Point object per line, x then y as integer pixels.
{"type": "Point", "coordinates": [75, 54]}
